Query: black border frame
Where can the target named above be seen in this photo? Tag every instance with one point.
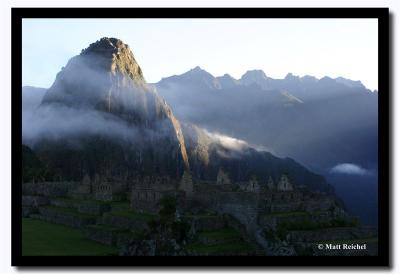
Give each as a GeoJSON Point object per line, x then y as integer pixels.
{"type": "Point", "coordinates": [382, 14]}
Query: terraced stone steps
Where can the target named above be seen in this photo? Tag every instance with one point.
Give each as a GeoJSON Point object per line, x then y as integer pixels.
{"type": "Point", "coordinates": [275, 219]}
{"type": "Point", "coordinates": [66, 216]}
{"type": "Point", "coordinates": [205, 222]}
{"type": "Point", "coordinates": [110, 235]}
{"type": "Point", "coordinates": [331, 234]}
{"type": "Point", "coordinates": [30, 204]}
{"type": "Point", "coordinates": [83, 206]}
{"type": "Point", "coordinates": [226, 241]}
{"type": "Point", "coordinates": [110, 223]}
{"type": "Point", "coordinates": [127, 219]}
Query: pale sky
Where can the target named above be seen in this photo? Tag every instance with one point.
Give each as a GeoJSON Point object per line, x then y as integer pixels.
{"type": "Point", "coordinates": [165, 47]}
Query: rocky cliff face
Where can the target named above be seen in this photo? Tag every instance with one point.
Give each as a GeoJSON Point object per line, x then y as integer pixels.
{"type": "Point", "coordinates": [105, 84]}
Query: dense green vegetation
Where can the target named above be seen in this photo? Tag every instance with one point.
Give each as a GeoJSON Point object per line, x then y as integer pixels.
{"type": "Point", "coordinates": [46, 239]}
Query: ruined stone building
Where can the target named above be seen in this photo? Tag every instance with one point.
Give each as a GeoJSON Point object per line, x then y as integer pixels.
{"type": "Point", "coordinates": [284, 184]}
{"type": "Point", "coordinates": [223, 178]}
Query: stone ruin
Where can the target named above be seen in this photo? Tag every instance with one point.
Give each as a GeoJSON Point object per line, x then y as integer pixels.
{"type": "Point", "coordinates": [107, 191]}
{"type": "Point", "coordinates": [284, 184]}
{"type": "Point", "coordinates": [223, 178]}
{"type": "Point", "coordinates": [147, 198]}
{"type": "Point", "coordinates": [186, 184]}
{"type": "Point", "coordinates": [147, 192]}
{"type": "Point", "coordinates": [257, 205]}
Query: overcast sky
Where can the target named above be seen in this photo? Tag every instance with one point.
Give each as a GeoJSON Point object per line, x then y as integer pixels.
{"type": "Point", "coordinates": [165, 47]}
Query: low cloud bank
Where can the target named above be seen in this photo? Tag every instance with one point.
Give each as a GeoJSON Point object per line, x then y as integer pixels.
{"type": "Point", "coordinates": [350, 169]}
{"type": "Point", "coordinates": [228, 142]}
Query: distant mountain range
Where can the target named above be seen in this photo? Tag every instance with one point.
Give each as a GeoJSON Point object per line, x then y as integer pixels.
{"type": "Point", "coordinates": [336, 118]}
{"type": "Point", "coordinates": [322, 123]}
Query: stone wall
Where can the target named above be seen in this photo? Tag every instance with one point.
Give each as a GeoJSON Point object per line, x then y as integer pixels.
{"type": "Point", "coordinates": [123, 222]}
{"type": "Point", "coordinates": [108, 191]}
{"type": "Point", "coordinates": [204, 223]}
{"type": "Point", "coordinates": [31, 204]}
{"type": "Point", "coordinates": [93, 208]}
{"type": "Point", "coordinates": [241, 205]}
{"type": "Point", "coordinates": [65, 218]}
{"type": "Point", "coordinates": [147, 199]}
{"type": "Point", "coordinates": [107, 235]}
{"type": "Point", "coordinates": [272, 221]}
{"type": "Point", "coordinates": [34, 201]}
{"type": "Point", "coordinates": [49, 189]}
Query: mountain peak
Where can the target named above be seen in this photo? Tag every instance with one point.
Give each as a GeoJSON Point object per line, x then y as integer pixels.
{"type": "Point", "coordinates": [290, 76]}
{"type": "Point", "coordinates": [255, 72]}
{"type": "Point", "coordinates": [105, 46]}
{"type": "Point", "coordinates": [309, 78]}
{"type": "Point", "coordinates": [227, 81]}
{"type": "Point", "coordinates": [256, 76]}
{"type": "Point", "coordinates": [93, 77]}
{"type": "Point", "coordinates": [350, 83]}
{"type": "Point", "coordinates": [114, 55]}
{"type": "Point", "coordinates": [200, 74]}
{"type": "Point", "coordinates": [199, 70]}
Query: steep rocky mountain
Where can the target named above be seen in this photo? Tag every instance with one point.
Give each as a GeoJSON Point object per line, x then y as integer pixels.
{"type": "Point", "coordinates": [319, 122]}
{"type": "Point", "coordinates": [100, 117]}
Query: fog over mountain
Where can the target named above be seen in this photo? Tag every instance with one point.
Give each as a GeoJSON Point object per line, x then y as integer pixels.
{"type": "Point", "coordinates": [322, 123]}
{"type": "Point", "coordinates": [101, 118]}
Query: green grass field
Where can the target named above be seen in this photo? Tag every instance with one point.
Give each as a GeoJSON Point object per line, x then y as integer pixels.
{"type": "Point", "coordinates": [45, 239]}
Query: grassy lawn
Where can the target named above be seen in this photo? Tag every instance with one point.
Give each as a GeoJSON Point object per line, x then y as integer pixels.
{"type": "Point", "coordinates": [45, 239]}
{"type": "Point", "coordinates": [120, 205]}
